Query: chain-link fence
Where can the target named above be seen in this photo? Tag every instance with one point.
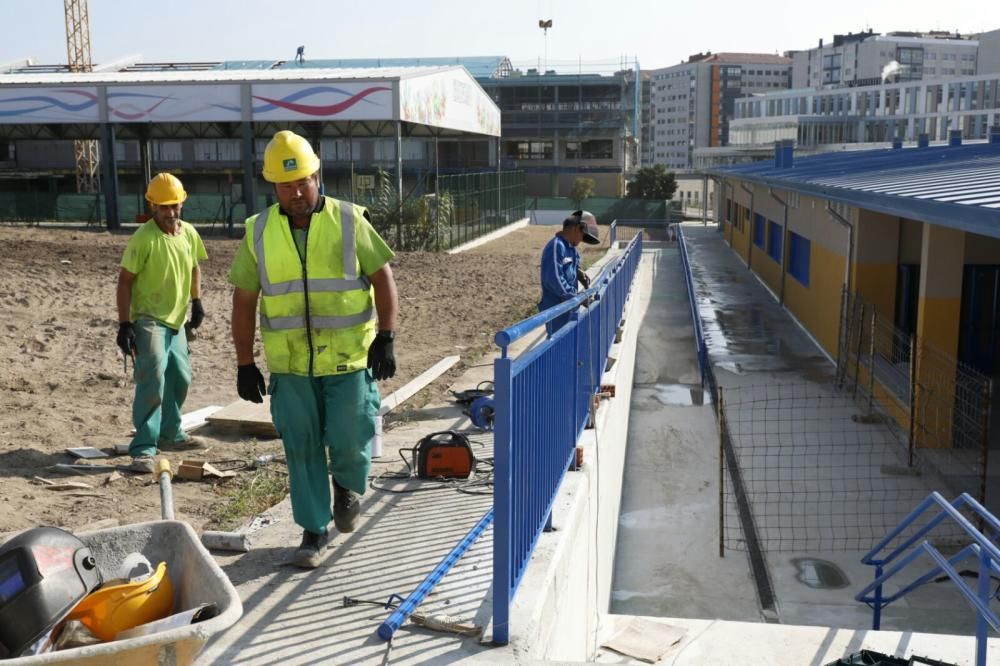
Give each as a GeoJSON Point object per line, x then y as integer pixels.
{"type": "Point", "coordinates": [935, 406]}
{"type": "Point", "coordinates": [465, 207]}
{"type": "Point", "coordinates": [803, 468]}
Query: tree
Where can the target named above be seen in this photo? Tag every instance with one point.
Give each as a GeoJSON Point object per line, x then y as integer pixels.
{"type": "Point", "coordinates": [653, 182]}
{"type": "Point", "coordinates": [583, 188]}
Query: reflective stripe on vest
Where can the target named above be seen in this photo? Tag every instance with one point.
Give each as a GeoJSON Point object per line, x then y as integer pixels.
{"type": "Point", "coordinates": [349, 282]}
{"type": "Point", "coordinates": [286, 323]}
{"type": "Point", "coordinates": [350, 257]}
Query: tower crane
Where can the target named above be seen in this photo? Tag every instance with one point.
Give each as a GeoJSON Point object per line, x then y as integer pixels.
{"type": "Point", "coordinates": [85, 151]}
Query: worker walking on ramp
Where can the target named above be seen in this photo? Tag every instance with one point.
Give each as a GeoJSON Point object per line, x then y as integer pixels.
{"type": "Point", "coordinates": [321, 273]}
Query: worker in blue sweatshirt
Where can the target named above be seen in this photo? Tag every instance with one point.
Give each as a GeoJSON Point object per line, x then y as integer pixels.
{"type": "Point", "coordinates": [561, 264]}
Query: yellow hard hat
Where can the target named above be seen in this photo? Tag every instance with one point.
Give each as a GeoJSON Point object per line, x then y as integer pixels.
{"type": "Point", "coordinates": [115, 608]}
{"type": "Point", "coordinates": [289, 157]}
{"type": "Point", "coordinates": [165, 190]}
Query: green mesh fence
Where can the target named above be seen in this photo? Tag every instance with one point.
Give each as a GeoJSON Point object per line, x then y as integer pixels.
{"type": "Point", "coordinates": [607, 209]}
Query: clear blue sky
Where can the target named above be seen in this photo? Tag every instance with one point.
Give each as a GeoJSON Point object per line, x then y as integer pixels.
{"type": "Point", "coordinates": [658, 32]}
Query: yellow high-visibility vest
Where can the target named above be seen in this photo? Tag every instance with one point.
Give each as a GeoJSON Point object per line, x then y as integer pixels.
{"type": "Point", "coordinates": [319, 303]}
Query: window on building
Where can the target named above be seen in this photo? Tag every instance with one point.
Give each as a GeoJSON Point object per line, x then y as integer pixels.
{"type": "Point", "coordinates": [774, 239]}
{"type": "Point", "coordinates": [598, 149]}
{"type": "Point", "coordinates": [530, 150]}
{"type": "Point", "coordinates": [798, 257]}
{"type": "Point", "coordinates": [167, 151]}
{"type": "Point", "coordinates": [758, 230]}
{"type": "Point", "coordinates": [729, 211]}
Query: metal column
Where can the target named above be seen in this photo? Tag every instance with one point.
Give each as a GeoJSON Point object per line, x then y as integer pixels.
{"type": "Point", "coordinates": [248, 154]}
{"type": "Point", "coordinates": [109, 180]}
{"type": "Point", "coordinates": [399, 183]}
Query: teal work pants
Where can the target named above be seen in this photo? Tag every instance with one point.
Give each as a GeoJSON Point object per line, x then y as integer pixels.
{"type": "Point", "coordinates": [326, 425]}
{"type": "Point", "coordinates": [162, 376]}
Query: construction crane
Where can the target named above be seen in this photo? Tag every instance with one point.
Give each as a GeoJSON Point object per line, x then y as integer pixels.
{"type": "Point", "coordinates": [85, 152]}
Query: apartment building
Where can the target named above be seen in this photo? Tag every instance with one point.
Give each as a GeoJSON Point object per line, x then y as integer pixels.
{"type": "Point", "coordinates": [691, 104]}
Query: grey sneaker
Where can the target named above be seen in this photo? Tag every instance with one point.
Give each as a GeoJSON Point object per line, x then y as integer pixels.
{"type": "Point", "coordinates": [346, 508]}
{"type": "Point", "coordinates": [143, 464]}
{"type": "Point", "coordinates": [311, 551]}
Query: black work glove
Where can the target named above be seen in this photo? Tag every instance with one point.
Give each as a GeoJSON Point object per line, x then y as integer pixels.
{"type": "Point", "coordinates": [381, 359]}
{"type": "Point", "coordinates": [583, 279]}
{"type": "Point", "coordinates": [250, 383]}
{"type": "Point", "coordinates": [197, 313]}
{"type": "Point", "coordinates": [126, 339]}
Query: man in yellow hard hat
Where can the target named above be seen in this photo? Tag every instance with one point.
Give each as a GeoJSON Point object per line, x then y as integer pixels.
{"type": "Point", "coordinates": [321, 273]}
{"type": "Point", "coordinates": [159, 273]}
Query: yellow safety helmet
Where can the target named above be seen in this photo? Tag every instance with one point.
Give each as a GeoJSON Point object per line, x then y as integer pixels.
{"type": "Point", "coordinates": [289, 157]}
{"type": "Point", "coordinates": [115, 608]}
{"type": "Point", "coordinates": [165, 190]}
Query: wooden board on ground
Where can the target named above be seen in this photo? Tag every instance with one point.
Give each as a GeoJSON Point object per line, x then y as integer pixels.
{"type": "Point", "coordinates": [417, 383]}
{"type": "Point", "coordinates": [254, 420]}
{"type": "Point", "coordinates": [194, 420]}
{"type": "Point", "coordinates": [245, 418]}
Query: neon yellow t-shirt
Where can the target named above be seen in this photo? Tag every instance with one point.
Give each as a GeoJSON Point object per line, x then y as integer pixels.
{"type": "Point", "coordinates": [162, 265]}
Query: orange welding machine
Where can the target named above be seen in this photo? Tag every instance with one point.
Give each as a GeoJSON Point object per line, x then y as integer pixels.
{"type": "Point", "coordinates": [445, 454]}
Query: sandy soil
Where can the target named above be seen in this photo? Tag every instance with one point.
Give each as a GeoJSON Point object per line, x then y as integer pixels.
{"type": "Point", "coordinates": [62, 383]}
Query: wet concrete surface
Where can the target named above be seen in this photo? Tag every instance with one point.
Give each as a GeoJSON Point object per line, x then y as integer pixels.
{"type": "Point", "coordinates": [667, 561]}
{"type": "Point", "coordinates": [819, 479]}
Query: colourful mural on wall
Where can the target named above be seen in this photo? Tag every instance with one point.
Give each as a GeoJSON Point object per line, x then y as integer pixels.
{"type": "Point", "coordinates": [203, 103]}
{"type": "Point", "coordinates": [371, 100]}
{"type": "Point", "coordinates": [46, 105]}
{"type": "Point", "coordinates": [449, 99]}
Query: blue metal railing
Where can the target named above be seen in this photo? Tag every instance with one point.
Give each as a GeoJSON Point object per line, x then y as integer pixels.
{"type": "Point", "coordinates": [981, 547]}
{"type": "Point", "coordinates": [542, 403]}
{"type": "Point", "coordinates": [699, 333]}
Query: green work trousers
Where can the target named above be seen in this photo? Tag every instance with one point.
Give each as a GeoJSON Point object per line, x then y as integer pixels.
{"type": "Point", "coordinates": [326, 424]}
{"type": "Point", "coordinates": [162, 376]}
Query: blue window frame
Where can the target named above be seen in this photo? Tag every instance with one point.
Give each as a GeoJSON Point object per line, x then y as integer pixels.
{"type": "Point", "coordinates": [774, 237]}
{"type": "Point", "coordinates": [798, 257]}
{"type": "Point", "coordinates": [758, 230]}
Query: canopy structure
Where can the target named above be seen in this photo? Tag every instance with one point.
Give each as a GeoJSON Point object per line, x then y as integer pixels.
{"type": "Point", "coordinates": [428, 101]}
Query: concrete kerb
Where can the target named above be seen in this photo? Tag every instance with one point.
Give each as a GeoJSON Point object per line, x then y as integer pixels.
{"type": "Point", "coordinates": [493, 235]}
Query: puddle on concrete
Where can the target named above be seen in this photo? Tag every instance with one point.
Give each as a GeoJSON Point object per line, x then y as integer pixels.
{"type": "Point", "coordinates": [819, 574]}
{"type": "Point", "coordinates": [681, 395]}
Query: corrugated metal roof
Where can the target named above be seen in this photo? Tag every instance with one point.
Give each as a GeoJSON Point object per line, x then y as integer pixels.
{"type": "Point", "coordinates": [952, 186]}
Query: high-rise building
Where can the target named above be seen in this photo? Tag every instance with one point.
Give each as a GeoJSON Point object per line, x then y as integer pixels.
{"type": "Point", "coordinates": [869, 58]}
{"type": "Point", "coordinates": [692, 103]}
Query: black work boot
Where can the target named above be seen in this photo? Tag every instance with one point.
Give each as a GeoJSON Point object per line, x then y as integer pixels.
{"type": "Point", "coordinates": [311, 551]}
{"type": "Point", "coordinates": [346, 508]}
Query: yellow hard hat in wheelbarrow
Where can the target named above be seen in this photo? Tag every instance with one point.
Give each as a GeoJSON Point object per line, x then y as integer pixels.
{"type": "Point", "coordinates": [115, 608]}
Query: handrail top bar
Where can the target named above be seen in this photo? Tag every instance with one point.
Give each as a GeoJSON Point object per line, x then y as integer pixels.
{"type": "Point", "coordinates": [507, 336]}
{"type": "Point", "coordinates": [949, 509]}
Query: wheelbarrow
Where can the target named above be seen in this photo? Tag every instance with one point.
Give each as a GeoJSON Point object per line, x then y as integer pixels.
{"type": "Point", "coordinates": [196, 579]}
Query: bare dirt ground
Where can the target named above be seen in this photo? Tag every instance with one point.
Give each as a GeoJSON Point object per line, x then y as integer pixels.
{"type": "Point", "coordinates": [62, 383]}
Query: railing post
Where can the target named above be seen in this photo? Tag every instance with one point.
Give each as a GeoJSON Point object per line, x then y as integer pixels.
{"type": "Point", "coordinates": [877, 617]}
{"type": "Point", "coordinates": [857, 355]}
{"type": "Point", "coordinates": [871, 366]}
{"type": "Point", "coordinates": [720, 406]}
{"type": "Point", "coordinates": [502, 499]}
{"type": "Point", "coordinates": [913, 398]}
{"type": "Point", "coordinates": [984, 596]}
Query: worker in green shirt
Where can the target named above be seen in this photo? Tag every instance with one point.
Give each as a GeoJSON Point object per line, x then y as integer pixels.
{"type": "Point", "coordinates": [159, 272]}
{"type": "Point", "coordinates": [321, 273]}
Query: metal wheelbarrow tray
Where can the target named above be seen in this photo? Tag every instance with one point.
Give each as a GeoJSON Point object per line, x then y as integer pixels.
{"type": "Point", "coordinates": [196, 579]}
